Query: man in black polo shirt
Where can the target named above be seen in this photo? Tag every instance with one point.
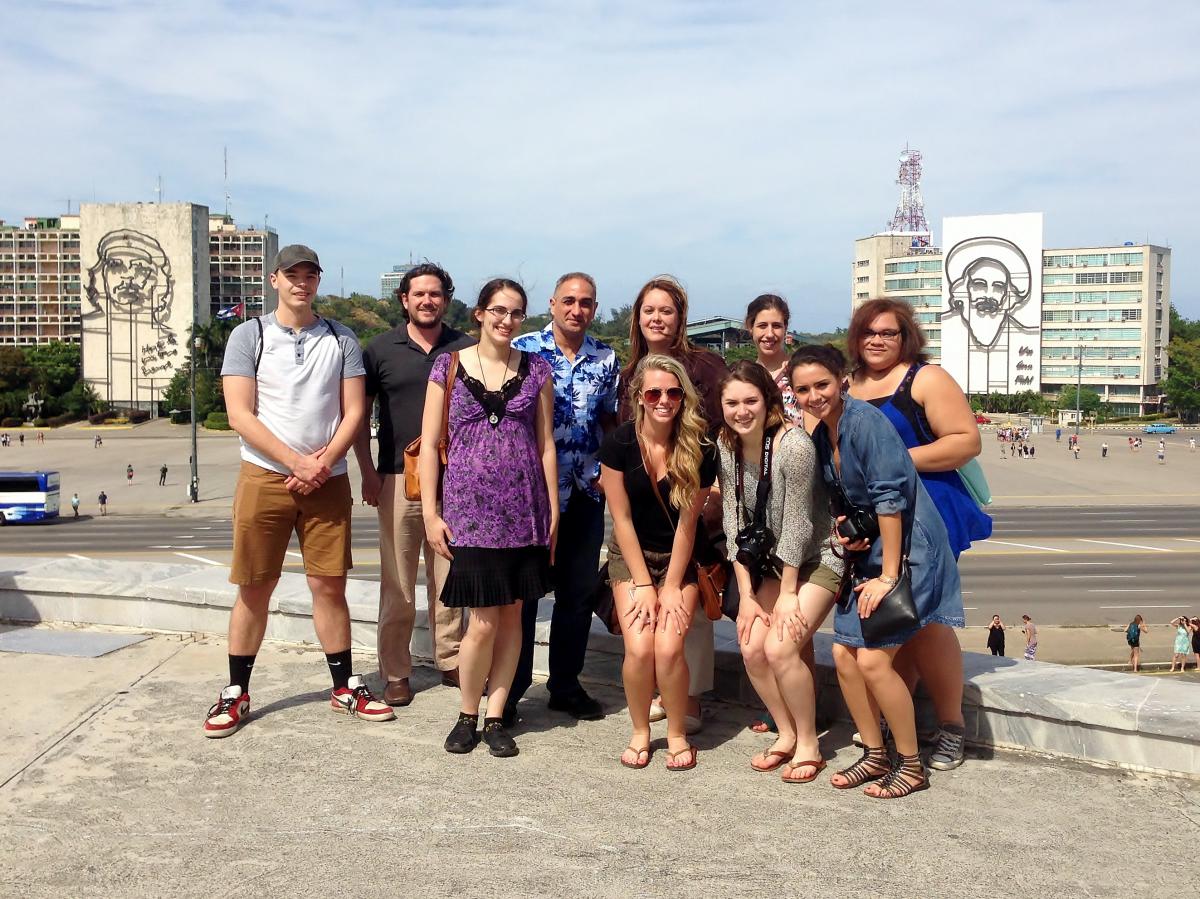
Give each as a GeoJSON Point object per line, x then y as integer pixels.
{"type": "Point", "coordinates": [398, 365]}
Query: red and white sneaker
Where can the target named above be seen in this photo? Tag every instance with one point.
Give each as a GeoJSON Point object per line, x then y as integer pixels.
{"type": "Point", "coordinates": [231, 709]}
{"type": "Point", "coordinates": [357, 700]}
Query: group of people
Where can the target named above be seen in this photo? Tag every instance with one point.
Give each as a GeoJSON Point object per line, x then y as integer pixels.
{"type": "Point", "coordinates": [815, 482]}
{"type": "Point", "coordinates": [996, 634]}
{"type": "Point", "coordinates": [7, 440]}
{"type": "Point", "coordinates": [1187, 642]}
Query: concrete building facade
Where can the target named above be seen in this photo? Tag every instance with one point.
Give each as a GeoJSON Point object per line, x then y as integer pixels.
{"type": "Point", "coordinates": [1101, 314]}
{"type": "Point", "coordinates": [145, 281]}
{"type": "Point", "coordinates": [389, 282]}
{"type": "Point", "coordinates": [39, 281]}
{"type": "Point", "coordinates": [239, 261]}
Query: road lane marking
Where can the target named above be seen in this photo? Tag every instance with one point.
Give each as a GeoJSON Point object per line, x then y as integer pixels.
{"type": "Point", "coordinates": [1049, 549]}
{"type": "Point", "coordinates": [297, 555]}
{"type": "Point", "coordinates": [1157, 549]}
{"type": "Point", "coordinates": [77, 556]}
{"type": "Point", "coordinates": [1060, 564]}
{"type": "Point", "coordinates": [1127, 590]}
{"type": "Point", "coordinates": [1186, 539]}
{"type": "Point", "coordinates": [185, 536]}
{"type": "Point", "coordinates": [198, 558]}
{"type": "Point", "coordinates": [1080, 577]}
{"type": "Point", "coordinates": [1144, 607]}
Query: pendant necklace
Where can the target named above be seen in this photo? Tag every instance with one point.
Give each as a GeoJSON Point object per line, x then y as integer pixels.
{"type": "Point", "coordinates": [493, 418]}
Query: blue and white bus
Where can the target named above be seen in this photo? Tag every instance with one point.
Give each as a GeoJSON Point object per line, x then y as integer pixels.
{"type": "Point", "coordinates": [28, 496]}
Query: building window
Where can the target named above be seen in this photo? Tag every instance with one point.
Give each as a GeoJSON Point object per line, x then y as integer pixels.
{"type": "Point", "coordinates": [1125, 278]}
{"type": "Point", "coordinates": [1056, 315]}
{"type": "Point", "coordinates": [862, 296]}
{"type": "Point", "coordinates": [863, 263]}
{"type": "Point", "coordinates": [929, 265]}
{"type": "Point", "coordinates": [1051, 299]}
{"type": "Point", "coordinates": [1058, 261]}
{"type": "Point", "coordinates": [900, 268]}
{"type": "Point", "coordinates": [1091, 259]}
{"type": "Point", "coordinates": [1091, 277]}
{"type": "Point", "coordinates": [862, 279]}
{"type": "Point", "coordinates": [1057, 280]}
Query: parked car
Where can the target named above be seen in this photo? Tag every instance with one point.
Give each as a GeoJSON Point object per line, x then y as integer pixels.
{"type": "Point", "coordinates": [1159, 427]}
{"type": "Point", "coordinates": [981, 419]}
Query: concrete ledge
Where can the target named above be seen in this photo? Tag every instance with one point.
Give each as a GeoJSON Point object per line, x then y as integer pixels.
{"type": "Point", "coordinates": [1100, 717]}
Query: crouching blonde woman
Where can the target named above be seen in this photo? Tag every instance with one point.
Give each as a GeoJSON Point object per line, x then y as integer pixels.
{"type": "Point", "coordinates": [787, 573]}
{"type": "Point", "coordinates": [656, 471]}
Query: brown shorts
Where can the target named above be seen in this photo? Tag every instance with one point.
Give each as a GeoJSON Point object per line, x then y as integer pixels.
{"type": "Point", "coordinates": [821, 575]}
{"type": "Point", "coordinates": [656, 564]}
{"type": "Point", "coordinates": [266, 513]}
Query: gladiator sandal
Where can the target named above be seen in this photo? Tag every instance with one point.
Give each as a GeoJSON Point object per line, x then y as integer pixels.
{"type": "Point", "coordinates": [872, 766]}
{"type": "Point", "coordinates": [907, 777]}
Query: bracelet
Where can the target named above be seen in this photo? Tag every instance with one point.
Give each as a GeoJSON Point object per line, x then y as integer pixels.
{"type": "Point", "coordinates": [890, 581]}
{"type": "Point", "coordinates": [640, 586]}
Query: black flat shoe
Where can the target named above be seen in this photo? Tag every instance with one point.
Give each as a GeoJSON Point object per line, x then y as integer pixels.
{"type": "Point", "coordinates": [500, 744]}
{"type": "Point", "coordinates": [578, 705]}
{"type": "Point", "coordinates": [464, 737]}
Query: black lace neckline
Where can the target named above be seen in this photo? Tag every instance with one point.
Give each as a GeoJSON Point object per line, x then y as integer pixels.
{"type": "Point", "coordinates": [495, 402]}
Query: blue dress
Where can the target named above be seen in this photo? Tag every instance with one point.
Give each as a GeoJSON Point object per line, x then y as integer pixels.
{"type": "Point", "coordinates": [878, 473]}
{"type": "Point", "coordinates": [964, 520]}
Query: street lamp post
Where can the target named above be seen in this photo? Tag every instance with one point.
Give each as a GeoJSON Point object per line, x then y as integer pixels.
{"type": "Point", "coordinates": [194, 482]}
{"type": "Point", "coordinates": [1078, 392]}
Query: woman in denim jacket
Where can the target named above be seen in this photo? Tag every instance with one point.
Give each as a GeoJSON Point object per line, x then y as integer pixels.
{"type": "Point", "coordinates": [863, 458]}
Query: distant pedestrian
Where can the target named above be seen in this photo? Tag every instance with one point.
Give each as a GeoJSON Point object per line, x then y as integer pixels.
{"type": "Point", "coordinates": [41, 437]}
{"type": "Point", "coordinates": [1191, 444]}
{"type": "Point", "coordinates": [129, 475]}
{"type": "Point", "coordinates": [75, 504]}
{"type": "Point", "coordinates": [96, 441]}
{"type": "Point", "coordinates": [1183, 642]}
{"type": "Point", "coordinates": [1032, 450]}
{"type": "Point", "coordinates": [21, 437]}
{"type": "Point", "coordinates": [1031, 641]}
{"type": "Point", "coordinates": [162, 476]}
{"type": "Point", "coordinates": [1058, 435]}
{"type": "Point", "coordinates": [102, 499]}
{"type": "Point", "coordinates": [1131, 444]}
{"type": "Point", "coordinates": [1196, 641]}
{"type": "Point", "coordinates": [995, 641]}
{"type": "Point", "coordinates": [1075, 450]}
{"type": "Point", "coordinates": [1104, 451]}
{"type": "Point", "coordinates": [1133, 636]}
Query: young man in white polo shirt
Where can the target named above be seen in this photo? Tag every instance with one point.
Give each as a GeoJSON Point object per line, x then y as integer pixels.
{"type": "Point", "coordinates": [293, 384]}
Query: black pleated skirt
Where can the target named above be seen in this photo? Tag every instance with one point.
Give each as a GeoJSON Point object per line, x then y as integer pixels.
{"type": "Point", "coordinates": [481, 577]}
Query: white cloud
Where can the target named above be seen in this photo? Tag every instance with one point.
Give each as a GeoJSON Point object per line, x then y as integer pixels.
{"type": "Point", "coordinates": [742, 146]}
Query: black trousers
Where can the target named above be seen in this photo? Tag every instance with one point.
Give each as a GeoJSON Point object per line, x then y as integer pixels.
{"type": "Point", "coordinates": [575, 574]}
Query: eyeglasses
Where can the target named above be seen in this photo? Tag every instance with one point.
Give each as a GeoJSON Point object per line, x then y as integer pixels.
{"type": "Point", "coordinates": [653, 394]}
{"type": "Point", "coordinates": [885, 334]}
{"type": "Point", "coordinates": [503, 312]}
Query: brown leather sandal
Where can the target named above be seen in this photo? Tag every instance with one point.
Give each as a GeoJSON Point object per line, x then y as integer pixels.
{"type": "Point", "coordinates": [818, 764]}
{"type": "Point", "coordinates": [639, 765]}
{"type": "Point", "coordinates": [671, 756]}
{"type": "Point", "coordinates": [775, 758]}
{"type": "Point", "coordinates": [908, 777]}
{"type": "Point", "coordinates": [872, 766]}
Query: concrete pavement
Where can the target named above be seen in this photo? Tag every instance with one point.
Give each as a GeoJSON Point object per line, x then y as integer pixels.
{"type": "Point", "coordinates": [109, 789]}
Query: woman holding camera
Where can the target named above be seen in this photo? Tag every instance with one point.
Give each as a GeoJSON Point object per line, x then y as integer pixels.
{"type": "Point", "coordinates": [889, 369]}
{"type": "Point", "coordinates": [894, 534]}
{"type": "Point", "coordinates": [656, 472]}
{"type": "Point", "coordinates": [787, 576]}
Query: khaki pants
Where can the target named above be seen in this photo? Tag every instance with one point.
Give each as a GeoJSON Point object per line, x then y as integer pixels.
{"type": "Point", "coordinates": [401, 543]}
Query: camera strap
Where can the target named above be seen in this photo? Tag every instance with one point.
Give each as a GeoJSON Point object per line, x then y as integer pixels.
{"type": "Point", "coordinates": [762, 494]}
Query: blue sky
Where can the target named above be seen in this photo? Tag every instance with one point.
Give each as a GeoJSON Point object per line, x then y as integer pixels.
{"type": "Point", "coordinates": [740, 146]}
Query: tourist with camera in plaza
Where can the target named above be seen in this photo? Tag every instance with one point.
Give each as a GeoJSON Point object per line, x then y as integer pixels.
{"type": "Point", "coordinates": [777, 520]}
{"type": "Point", "coordinates": [902, 568]}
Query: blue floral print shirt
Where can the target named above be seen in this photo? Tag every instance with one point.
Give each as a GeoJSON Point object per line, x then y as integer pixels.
{"type": "Point", "coordinates": [584, 391]}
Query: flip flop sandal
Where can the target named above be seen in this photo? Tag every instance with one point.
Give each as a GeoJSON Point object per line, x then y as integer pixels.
{"type": "Point", "coordinates": [639, 765]}
{"type": "Point", "coordinates": [775, 757]}
{"type": "Point", "coordinates": [818, 764]}
{"type": "Point", "coordinates": [671, 756]}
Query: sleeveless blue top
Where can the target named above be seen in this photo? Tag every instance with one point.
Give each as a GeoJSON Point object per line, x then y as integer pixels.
{"type": "Point", "coordinates": [965, 521]}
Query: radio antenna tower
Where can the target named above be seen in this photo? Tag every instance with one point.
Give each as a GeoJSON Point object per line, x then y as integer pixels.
{"type": "Point", "coordinates": [226, 149]}
{"type": "Point", "coordinates": [910, 213]}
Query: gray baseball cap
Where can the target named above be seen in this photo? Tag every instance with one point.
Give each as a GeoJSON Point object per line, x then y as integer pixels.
{"type": "Point", "coordinates": [294, 254]}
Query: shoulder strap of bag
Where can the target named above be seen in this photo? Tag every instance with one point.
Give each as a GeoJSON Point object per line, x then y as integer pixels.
{"type": "Point", "coordinates": [258, 351]}
{"type": "Point", "coordinates": [763, 492]}
{"type": "Point", "coordinates": [451, 373]}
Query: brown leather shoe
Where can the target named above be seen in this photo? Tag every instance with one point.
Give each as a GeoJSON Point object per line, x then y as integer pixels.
{"type": "Point", "coordinates": [450, 678]}
{"type": "Point", "coordinates": [398, 692]}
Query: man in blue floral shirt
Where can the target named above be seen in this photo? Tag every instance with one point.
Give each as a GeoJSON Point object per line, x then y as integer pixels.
{"type": "Point", "coordinates": [585, 406]}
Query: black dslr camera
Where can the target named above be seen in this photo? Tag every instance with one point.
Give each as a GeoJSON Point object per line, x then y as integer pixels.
{"type": "Point", "coordinates": [860, 524]}
{"type": "Point", "coordinates": [755, 548]}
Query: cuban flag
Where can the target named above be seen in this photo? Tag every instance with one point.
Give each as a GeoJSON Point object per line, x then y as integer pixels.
{"type": "Point", "coordinates": [231, 312]}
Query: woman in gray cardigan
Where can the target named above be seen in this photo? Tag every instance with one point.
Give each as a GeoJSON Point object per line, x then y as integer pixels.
{"type": "Point", "coordinates": [787, 578]}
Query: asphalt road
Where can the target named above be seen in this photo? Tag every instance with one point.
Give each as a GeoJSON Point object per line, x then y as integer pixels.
{"type": "Point", "coordinates": [1062, 565]}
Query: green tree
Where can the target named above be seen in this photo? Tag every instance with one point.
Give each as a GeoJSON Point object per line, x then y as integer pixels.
{"type": "Point", "coordinates": [1089, 400]}
{"type": "Point", "coordinates": [1182, 386]}
{"type": "Point", "coordinates": [1183, 328]}
{"type": "Point", "coordinates": [53, 367]}
{"type": "Point", "coordinates": [14, 369]}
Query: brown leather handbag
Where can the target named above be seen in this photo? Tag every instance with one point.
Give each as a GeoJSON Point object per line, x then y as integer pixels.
{"type": "Point", "coordinates": [412, 452]}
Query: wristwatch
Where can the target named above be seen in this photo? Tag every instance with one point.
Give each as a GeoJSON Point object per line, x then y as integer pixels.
{"type": "Point", "coordinates": [890, 581]}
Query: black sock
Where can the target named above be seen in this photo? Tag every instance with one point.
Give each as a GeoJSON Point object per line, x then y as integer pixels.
{"type": "Point", "coordinates": [340, 664]}
{"type": "Point", "coordinates": [240, 668]}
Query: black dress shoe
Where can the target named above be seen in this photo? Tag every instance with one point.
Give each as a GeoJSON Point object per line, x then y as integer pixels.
{"type": "Point", "coordinates": [464, 737]}
{"type": "Point", "coordinates": [578, 705]}
{"type": "Point", "coordinates": [500, 744]}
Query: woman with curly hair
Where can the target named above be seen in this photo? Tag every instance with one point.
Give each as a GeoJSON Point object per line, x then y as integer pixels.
{"type": "Point", "coordinates": [656, 471]}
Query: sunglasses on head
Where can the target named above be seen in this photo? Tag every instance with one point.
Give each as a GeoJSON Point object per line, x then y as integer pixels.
{"type": "Point", "coordinates": [653, 394]}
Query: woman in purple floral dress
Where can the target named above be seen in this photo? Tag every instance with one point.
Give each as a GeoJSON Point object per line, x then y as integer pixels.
{"type": "Point", "coordinates": [499, 502]}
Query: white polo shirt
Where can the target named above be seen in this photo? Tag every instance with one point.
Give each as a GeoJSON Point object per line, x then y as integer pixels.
{"type": "Point", "coordinates": [299, 379]}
